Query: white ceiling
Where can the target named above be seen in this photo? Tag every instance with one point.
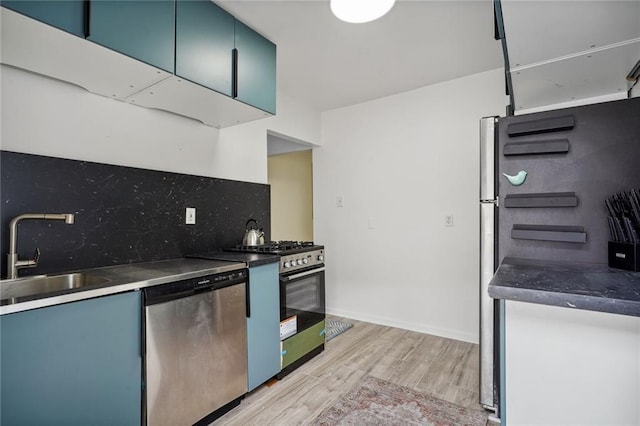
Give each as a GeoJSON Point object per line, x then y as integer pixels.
{"type": "Point", "coordinates": [328, 63]}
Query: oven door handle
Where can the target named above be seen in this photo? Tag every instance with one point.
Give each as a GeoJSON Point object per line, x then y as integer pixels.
{"type": "Point", "coordinates": [303, 274]}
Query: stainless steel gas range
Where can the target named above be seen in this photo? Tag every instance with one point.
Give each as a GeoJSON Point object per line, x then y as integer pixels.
{"type": "Point", "coordinates": [302, 299]}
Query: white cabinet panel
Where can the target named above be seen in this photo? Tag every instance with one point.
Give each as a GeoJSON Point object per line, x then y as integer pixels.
{"type": "Point", "coordinates": [561, 51]}
{"type": "Point", "coordinates": [40, 48]}
{"type": "Point", "coordinates": [571, 367]}
{"type": "Point", "coordinates": [183, 97]}
{"type": "Point", "coordinates": [540, 30]}
{"type": "Point", "coordinates": [581, 76]}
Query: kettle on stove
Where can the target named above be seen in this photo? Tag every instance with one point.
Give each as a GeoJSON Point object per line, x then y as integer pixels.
{"type": "Point", "coordinates": [253, 236]}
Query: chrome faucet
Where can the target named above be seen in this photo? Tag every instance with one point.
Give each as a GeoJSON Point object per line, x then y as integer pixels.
{"type": "Point", "coordinates": [13, 263]}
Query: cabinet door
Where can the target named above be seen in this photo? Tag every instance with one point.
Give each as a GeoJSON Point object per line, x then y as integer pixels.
{"type": "Point", "coordinates": [256, 69]}
{"type": "Point", "coordinates": [204, 44]}
{"type": "Point", "coordinates": [76, 363]}
{"type": "Point", "coordinates": [141, 29]}
{"type": "Point", "coordinates": [263, 326]}
{"type": "Point", "coordinates": [67, 15]}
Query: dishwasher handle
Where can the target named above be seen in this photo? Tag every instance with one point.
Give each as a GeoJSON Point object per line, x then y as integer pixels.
{"type": "Point", "coordinates": [199, 290]}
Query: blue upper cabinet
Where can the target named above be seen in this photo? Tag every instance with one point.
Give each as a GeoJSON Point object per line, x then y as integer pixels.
{"type": "Point", "coordinates": [67, 15]}
{"type": "Point", "coordinates": [217, 51]}
{"type": "Point", "coordinates": [197, 41]}
{"type": "Point", "coordinates": [256, 69]}
{"type": "Point", "coordinates": [204, 44]}
{"type": "Point", "coordinates": [141, 29]}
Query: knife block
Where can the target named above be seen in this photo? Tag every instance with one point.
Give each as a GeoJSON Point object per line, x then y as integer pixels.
{"type": "Point", "coordinates": [624, 256]}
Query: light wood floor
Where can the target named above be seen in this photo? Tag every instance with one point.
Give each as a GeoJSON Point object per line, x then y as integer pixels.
{"type": "Point", "coordinates": [445, 368]}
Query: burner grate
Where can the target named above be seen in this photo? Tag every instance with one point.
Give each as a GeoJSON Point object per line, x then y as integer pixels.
{"type": "Point", "coordinates": [275, 247]}
{"type": "Point", "coordinates": [293, 245]}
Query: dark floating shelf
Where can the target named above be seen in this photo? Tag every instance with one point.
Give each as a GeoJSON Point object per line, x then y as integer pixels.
{"type": "Point", "coordinates": [549, 199]}
{"type": "Point", "coordinates": [565, 234]}
{"type": "Point", "coordinates": [553, 146]}
{"type": "Point", "coordinates": [533, 127]}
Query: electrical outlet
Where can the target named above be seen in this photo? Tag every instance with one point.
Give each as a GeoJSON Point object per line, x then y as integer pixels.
{"type": "Point", "coordinates": [448, 220]}
{"type": "Point", "coordinates": [339, 201]}
{"type": "Point", "coordinates": [190, 216]}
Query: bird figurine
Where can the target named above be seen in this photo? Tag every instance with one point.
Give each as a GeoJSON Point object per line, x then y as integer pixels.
{"type": "Point", "coordinates": [517, 179]}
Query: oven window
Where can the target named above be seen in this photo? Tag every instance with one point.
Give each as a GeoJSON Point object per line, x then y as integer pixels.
{"type": "Point", "coordinates": [304, 295]}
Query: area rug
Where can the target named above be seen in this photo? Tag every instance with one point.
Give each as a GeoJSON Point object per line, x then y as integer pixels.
{"type": "Point", "coordinates": [378, 402]}
{"type": "Point", "coordinates": [335, 328]}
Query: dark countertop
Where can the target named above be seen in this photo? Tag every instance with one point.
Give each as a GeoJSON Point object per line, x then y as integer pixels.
{"type": "Point", "coordinates": [251, 259]}
{"type": "Point", "coordinates": [589, 286]}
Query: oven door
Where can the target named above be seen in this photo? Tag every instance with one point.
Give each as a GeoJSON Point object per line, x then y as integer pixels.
{"type": "Point", "coordinates": [302, 300]}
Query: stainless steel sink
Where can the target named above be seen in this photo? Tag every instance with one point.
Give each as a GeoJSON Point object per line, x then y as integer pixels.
{"type": "Point", "coordinates": [10, 290]}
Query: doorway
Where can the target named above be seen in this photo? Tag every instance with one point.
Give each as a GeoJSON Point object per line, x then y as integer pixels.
{"type": "Point", "coordinates": [290, 175]}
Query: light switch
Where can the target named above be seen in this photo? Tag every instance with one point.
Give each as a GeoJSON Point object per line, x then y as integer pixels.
{"type": "Point", "coordinates": [190, 216]}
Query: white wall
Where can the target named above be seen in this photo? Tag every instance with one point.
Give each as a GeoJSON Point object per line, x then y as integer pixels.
{"type": "Point", "coordinates": [294, 119]}
{"type": "Point", "coordinates": [49, 117]}
{"type": "Point", "coordinates": [401, 164]}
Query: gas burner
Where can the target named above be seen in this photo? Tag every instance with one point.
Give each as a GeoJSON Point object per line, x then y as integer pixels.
{"type": "Point", "coordinates": [276, 247]}
{"type": "Point", "coordinates": [292, 245]}
{"type": "Point", "coordinates": [264, 248]}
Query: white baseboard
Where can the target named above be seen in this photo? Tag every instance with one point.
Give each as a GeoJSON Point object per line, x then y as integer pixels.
{"type": "Point", "coordinates": [420, 328]}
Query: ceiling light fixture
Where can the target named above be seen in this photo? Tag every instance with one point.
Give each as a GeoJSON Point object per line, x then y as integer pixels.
{"type": "Point", "coordinates": [359, 11]}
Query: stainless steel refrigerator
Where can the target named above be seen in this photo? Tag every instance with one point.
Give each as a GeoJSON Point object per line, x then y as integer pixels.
{"type": "Point", "coordinates": [489, 337]}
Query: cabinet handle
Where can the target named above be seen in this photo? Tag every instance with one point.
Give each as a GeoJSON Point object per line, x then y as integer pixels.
{"type": "Point", "coordinates": [302, 274]}
{"type": "Point", "coordinates": [248, 298]}
{"type": "Point", "coordinates": [234, 73]}
{"type": "Point", "coordinates": [87, 18]}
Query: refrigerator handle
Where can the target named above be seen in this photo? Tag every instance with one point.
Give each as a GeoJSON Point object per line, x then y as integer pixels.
{"type": "Point", "coordinates": [488, 158]}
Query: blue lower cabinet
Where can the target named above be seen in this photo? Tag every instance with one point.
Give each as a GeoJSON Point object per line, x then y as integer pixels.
{"type": "Point", "coordinates": [67, 15]}
{"type": "Point", "coordinates": [263, 326]}
{"type": "Point", "coordinates": [73, 364]}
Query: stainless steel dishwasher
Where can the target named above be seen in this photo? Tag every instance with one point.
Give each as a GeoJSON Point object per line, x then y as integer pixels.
{"type": "Point", "coordinates": [195, 360]}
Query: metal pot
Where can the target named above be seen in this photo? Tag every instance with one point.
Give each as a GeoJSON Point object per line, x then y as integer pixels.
{"type": "Point", "coordinates": [253, 236]}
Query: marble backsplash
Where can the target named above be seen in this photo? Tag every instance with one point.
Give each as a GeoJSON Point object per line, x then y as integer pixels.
{"type": "Point", "coordinates": [122, 214]}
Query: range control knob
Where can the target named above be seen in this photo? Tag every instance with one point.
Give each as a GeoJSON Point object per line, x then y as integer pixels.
{"type": "Point", "coordinates": [299, 261]}
{"type": "Point", "coordinates": [321, 257]}
{"type": "Point", "coordinates": [305, 260]}
{"type": "Point", "coordinates": [286, 264]}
